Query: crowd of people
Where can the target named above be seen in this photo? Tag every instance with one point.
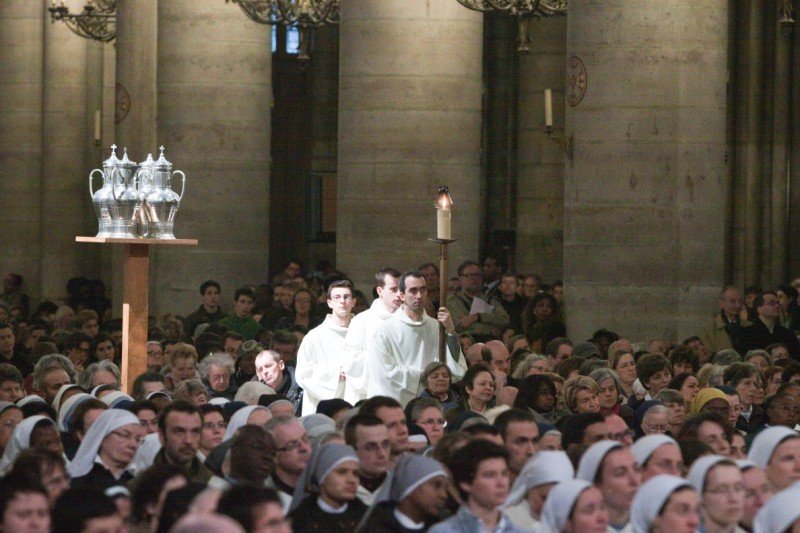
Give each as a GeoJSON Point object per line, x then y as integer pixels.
{"type": "Point", "coordinates": [307, 407]}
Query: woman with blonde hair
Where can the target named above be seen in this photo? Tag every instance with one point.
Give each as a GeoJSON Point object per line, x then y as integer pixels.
{"type": "Point", "coordinates": [581, 395]}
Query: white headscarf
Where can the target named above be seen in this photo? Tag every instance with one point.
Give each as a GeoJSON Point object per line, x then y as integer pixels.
{"type": "Point", "coordinates": [765, 442]}
{"type": "Point", "coordinates": [317, 424]}
{"type": "Point", "coordinates": [559, 504]}
{"type": "Point", "coordinates": [100, 388]}
{"type": "Point", "coordinates": [646, 446]}
{"type": "Point", "coordinates": [592, 457]}
{"type": "Point", "coordinates": [30, 399]}
{"type": "Point", "coordinates": [240, 417]}
{"type": "Point", "coordinates": [146, 454]}
{"type": "Point", "coordinates": [20, 440]}
{"type": "Point", "coordinates": [780, 511]}
{"type": "Point", "coordinates": [68, 409]}
{"type": "Point", "coordinates": [60, 393]}
{"type": "Point", "coordinates": [697, 474]}
{"type": "Point", "coordinates": [113, 399]}
{"type": "Point", "coordinates": [322, 462]}
{"type": "Point", "coordinates": [219, 400]}
{"type": "Point", "coordinates": [107, 422]}
{"type": "Point", "coordinates": [651, 497]}
{"type": "Point", "coordinates": [548, 466]}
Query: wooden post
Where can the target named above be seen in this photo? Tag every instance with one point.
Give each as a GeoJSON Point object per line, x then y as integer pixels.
{"type": "Point", "coordinates": [442, 299]}
{"type": "Point", "coordinates": [136, 278]}
{"type": "Point", "coordinates": [135, 307]}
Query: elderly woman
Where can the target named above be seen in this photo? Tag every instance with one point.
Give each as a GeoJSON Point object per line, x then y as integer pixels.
{"type": "Point", "coordinates": [611, 394]}
{"type": "Point", "coordinates": [191, 390]}
{"type": "Point", "coordinates": [581, 395]}
{"type": "Point", "coordinates": [106, 452]}
{"type": "Point", "coordinates": [532, 364]}
{"type": "Point", "coordinates": [718, 481]}
{"type": "Point", "coordinates": [100, 373]}
{"type": "Point", "coordinates": [435, 383]}
{"type": "Point", "coordinates": [427, 413]}
{"type": "Point", "coordinates": [182, 361]}
{"type": "Point", "coordinates": [216, 371]}
{"type": "Point", "coordinates": [155, 356]}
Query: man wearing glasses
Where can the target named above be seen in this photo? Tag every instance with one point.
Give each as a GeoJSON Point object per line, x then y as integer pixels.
{"type": "Point", "coordinates": [292, 452]}
{"type": "Point", "coordinates": [475, 312]}
{"type": "Point", "coordinates": [766, 328]}
{"type": "Point", "coordinates": [321, 358]}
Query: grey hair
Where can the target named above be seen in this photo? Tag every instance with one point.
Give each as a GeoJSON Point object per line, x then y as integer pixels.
{"type": "Point", "coordinates": [251, 391]}
{"type": "Point", "coordinates": [187, 389]}
{"type": "Point", "coordinates": [526, 364]}
{"type": "Point", "coordinates": [51, 362]}
{"type": "Point", "coordinates": [272, 353]}
{"type": "Point", "coordinates": [421, 404]}
{"type": "Point", "coordinates": [715, 377]}
{"type": "Point", "coordinates": [85, 380]}
{"type": "Point", "coordinates": [656, 410]}
{"type": "Point", "coordinates": [728, 356]}
{"type": "Point", "coordinates": [277, 421]}
{"type": "Point", "coordinates": [752, 353]}
{"type": "Point", "coordinates": [220, 359]}
{"type": "Point", "coordinates": [666, 396]}
{"type": "Point", "coordinates": [602, 374]}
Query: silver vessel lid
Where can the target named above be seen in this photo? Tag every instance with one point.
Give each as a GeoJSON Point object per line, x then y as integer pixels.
{"type": "Point", "coordinates": [125, 162]}
{"type": "Point", "coordinates": [112, 161]}
{"type": "Point", "coordinates": [161, 163]}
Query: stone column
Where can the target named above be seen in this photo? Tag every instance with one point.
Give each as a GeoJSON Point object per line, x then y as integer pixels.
{"type": "Point", "coordinates": [21, 77]}
{"type": "Point", "coordinates": [214, 96]}
{"type": "Point", "coordinates": [68, 131]}
{"type": "Point", "coordinates": [540, 161]}
{"type": "Point", "coordinates": [645, 192]}
{"type": "Point", "coordinates": [409, 121]}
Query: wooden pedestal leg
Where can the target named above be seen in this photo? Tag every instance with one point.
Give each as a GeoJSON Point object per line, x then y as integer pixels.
{"type": "Point", "coordinates": [134, 313]}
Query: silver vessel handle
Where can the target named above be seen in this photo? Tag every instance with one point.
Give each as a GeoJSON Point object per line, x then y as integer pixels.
{"type": "Point", "coordinates": [91, 175]}
{"type": "Point", "coordinates": [183, 182]}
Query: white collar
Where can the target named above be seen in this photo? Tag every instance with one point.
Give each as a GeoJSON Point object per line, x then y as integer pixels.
{"type": "Point", "coordinates": [330, 509]}
{"type": "Point", "coordinates": [406, 522]}
{"type": "Point", "coordinates": [99, 461]}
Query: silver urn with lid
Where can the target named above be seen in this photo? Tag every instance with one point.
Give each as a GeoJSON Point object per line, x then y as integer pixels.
{"type": "Point", "coordinates": [105, 207]}
{"type": "Point", "coordinates": [161, 202]}
{"type": "Point", "coordinates": [129, 200]}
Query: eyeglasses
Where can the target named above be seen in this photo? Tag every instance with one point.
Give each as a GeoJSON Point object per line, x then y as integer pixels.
{"type": "Point", "coordinates": [293, 444]}
{"type": "Point", "coordinates": [219, 377]}
{"type": "Point", "coordinates": [658, 429]}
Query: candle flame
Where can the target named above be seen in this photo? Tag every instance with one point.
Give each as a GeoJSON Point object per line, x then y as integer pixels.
{"type": "Point", "coordinates": [443, 200]}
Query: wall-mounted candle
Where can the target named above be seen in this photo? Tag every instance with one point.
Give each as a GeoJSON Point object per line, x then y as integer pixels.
{"type": "Point", "coordinates": [444, 207]}
{"type": "Point", "coordinates": [97, 129]}
{"type": "Point", "coordinates": [548, 108]}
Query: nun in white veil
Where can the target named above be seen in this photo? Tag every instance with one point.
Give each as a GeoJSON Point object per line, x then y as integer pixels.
{"type": "Point", "coordinates": [20, 440]}
{"type": "Point", "coordinates": [529, 492]}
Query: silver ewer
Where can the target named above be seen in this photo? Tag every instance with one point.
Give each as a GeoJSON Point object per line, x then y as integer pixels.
{"type": "Point", "coordinates": [161, 202]}
{"type": "Point", "coordinates": [129, 201]}
{"type": "Point", "coordinates": [105, 206]}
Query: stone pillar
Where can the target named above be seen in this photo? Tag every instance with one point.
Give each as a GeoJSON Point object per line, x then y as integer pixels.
{"type": "Point", "coordinates": [645, 192]}
{"type": "Point", "coordinates": [540, 161]}
{"type": "Point", "coordinates": [68, 130]}
{"type": "Point", "coordinates": [214, 96]}
{"type": "Point", "coordinates": [409, 121]}
{"type": "Point", "coordinates": [21, 77]}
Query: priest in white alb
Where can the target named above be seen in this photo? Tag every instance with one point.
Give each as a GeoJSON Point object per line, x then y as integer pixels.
{"type": "Point", "coordinates": [406, 343]}
{"type": "Point", "coordinates": [362, 328]}
{"type": "Point", "coordinates": [321, 357]}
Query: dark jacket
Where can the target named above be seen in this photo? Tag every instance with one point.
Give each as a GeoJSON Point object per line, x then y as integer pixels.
{"type": "Point", "coordinates": [100, 479]}
{"type": "Point", "coordinates": [758, 336]}
{"type": "Point", "coordinates": [382, 519]}
{"type": "Point", "coordinates": [201, 316]}
{"type": "Point", "coordinates": [309, 517]}
{"type": "Point", "coordinates": [291, 390]}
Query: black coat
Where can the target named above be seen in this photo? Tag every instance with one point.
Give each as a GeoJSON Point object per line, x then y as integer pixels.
{"type": "Point", "coordinates": [309, 517]}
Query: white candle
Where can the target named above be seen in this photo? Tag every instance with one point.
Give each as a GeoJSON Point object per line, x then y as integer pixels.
{"type": "Point", "coordinates": [548, 108]}
{"type": "Point", "coordinates": [443, 228]}
{"type": "Point", "coordinates": [97, 125]}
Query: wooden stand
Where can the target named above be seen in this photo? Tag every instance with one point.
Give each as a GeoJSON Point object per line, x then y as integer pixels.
{"type": "Point", "coordinates": [135, 307]}
{"type": "Point", "coordinates": [443, 294]}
